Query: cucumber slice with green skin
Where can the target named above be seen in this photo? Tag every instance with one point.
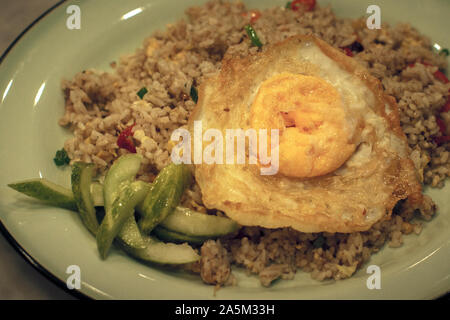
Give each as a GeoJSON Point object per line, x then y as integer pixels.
{"type": "Point", "coordinates": [81, 187]}
{"type": "Point", "coordinates": [153, 250]}
{"type": "Point", "coordinates": [54, 194]}
{"type": "Point", "coordinates": [47, 191]}
{"type": "Point", "coordinates": [172, 236]}
{"type": "Point", "coordinates": [165, 194]}
{"type": "Point", "coordinates": [97, 194]}
{"type": "Point", "coordinates": [196, 224]}
{"type": "Point", "coordinates": [159, 252]}
{"type": "Point", "coordinates": [119, 199]}
{"type": "Point", "coordinates": [123, 170]}
{"type": "Point", "coordinates": [121, 210]}
{"type": "Point", "coordinates": [130, 234]}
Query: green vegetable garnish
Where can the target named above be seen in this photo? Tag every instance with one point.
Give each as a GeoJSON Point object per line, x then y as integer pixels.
{"type": "Point", "coordinates": [121, 211]}
{"type": "Point", "coordinates": [194, 94]}
{"type": "Point", "coordinates": [61, 158]}
{"type": "Point", "coordinates": [141, 93]}
{"type": "Point", "coordinates": [253, 36]}
{"type": "Point", "coordinates": [288, 5]}
{"type": "Point", "coordinates": [47, 191]}
{"type": "Point", "coordinates": [444, 52]}
{"type": "Point", "coordinates": [55, 195]}
{"type": "Point", "coordinates": [192, 223]}
{"type": "Point", "coordinates": [121, 194]}
{"type": "Point", "coordinates": [164, 196]}
{"type": "Point", "coordinates": [318, 243]}
{"type": "Point", "coordinates": [81, 179]}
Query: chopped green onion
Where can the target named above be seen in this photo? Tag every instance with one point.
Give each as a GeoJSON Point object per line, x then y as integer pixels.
{"type": "Point", "coordinates": [61, 158]}
{"type": "Point", "coordinates": [141, 93]}
{"type": "Point", "coordinates": [253, 36]}
{"type": "Point", "coordinates": [444, 52]}
{"type": "Point", "coordinates": [194, 94]}
{"type": "Point", "coordinates": [288, 5]}
{"type": "Point", "coordinates": [319, 242]}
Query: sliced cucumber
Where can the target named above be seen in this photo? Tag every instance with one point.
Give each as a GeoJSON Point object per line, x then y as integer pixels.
{"type": "Point", "coordinates": [122, 171]}
{"type": "Point", "coordinates": [162, 253]}
{"type": "Point", "coordinates": [131, 241]}
{"type": "Point", "coordinates": [172, 236]}
{"type": "Point", "coordinates": [121, 210]}
{"type": "Point", "coordinates": [49, 192]}
{"type": "Point", "coordinates": [97, 194]}
{"type": "Point", "coordinates": [165, 194]}
{"type": "Point", "coordinates": [196, 224]}
{"type": "Point", "coordinates": [121, 196]}
{"type": "Point", "coordinates": [130, 234]}
{"type": "Point", "coordinates": [55, 195]}
{"type": "Point", "coordinates": [81, 182]}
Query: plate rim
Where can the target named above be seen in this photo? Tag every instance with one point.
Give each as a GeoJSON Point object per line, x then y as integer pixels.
{"type": "Point", "coordinates": [76, 293]}
{"type": "Point", "coordinates": [3, 230]}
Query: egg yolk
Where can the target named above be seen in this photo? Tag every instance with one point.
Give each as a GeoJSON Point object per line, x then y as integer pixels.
{"type": "Point", "coordinates": [314, 138]}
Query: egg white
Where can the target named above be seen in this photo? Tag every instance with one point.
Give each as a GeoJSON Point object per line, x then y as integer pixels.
{"type": "Point", "coordinates": [361, 192]}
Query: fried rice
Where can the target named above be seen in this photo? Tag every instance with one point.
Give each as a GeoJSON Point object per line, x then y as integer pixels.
{"type": "Point", "coordinates": [99, 105]}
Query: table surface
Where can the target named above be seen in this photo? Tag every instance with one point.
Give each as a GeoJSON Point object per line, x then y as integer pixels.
{"type": "Point", "coordinates": [18, 279]}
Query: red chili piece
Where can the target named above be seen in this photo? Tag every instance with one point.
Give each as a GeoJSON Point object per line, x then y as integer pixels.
{"type": "Point", "coordinates": [441, 125]}
{"type": "Point", "coordinates": [441, 140]}
{"type": "Point", "coordinates": [348, 51]}
{"type": "Point", "coordinates": [308, 4]}
{"type": "Point", "coordinates": [440, 76]}
{"type": "Point", "coordinates": [254, 15]}
{"type": "Point", "coordinates": [123, 141]}
{"type": "Point", "coordinates": [446, 107]}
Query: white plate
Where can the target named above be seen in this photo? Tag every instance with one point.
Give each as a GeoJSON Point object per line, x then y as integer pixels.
{"type": "Point", "coordinates": [53, 239]}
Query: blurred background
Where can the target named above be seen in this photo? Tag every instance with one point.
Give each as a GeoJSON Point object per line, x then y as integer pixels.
{"type": "Point", "coordinates": [18, 279]}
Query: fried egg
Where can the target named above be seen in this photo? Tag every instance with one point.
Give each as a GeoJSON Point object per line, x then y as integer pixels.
{"type": "Point", "coordinates": [343, 158]}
